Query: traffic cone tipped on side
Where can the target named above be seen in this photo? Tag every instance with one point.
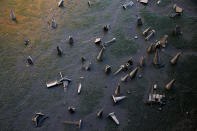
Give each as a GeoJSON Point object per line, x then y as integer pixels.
{"type": "Point", "coordinates": [150, 48]}
{"type": "Point", "coordinates": [119, 98]}
{"type": "Point", "coordinates": [174, 60]}
{"type": "Point", "coordinates": [78, 123]}
{"type": "Point", "coordinates": [117, 91]}
{"type": "Point", "coordinates": [145, 32]}
{"type": "Point", "coordinates": [124, 79]}
{"type": "Point", "coordinates": [156, 58]}
{"type": "Point", "coordinates": [99, 57]}
{"type": "Point", "coordinates": [113, 117]}
{"type": "Point", "coordinates": [141, 61]}
{"type": "Point", "coordinates": [170, 84]}
{"type": "Point", "coordinates": [100, 113]}
{"type": "Point", "coordinates": [13, 17]}
{"type": "Point", "coordinates": [133, 73]}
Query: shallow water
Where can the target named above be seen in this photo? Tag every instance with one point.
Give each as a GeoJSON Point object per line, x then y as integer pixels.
{"type": "Point", "coordinates": [23, 88]}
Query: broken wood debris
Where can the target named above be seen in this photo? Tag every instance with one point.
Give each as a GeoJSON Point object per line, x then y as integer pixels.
{"type": "Point", "coordinates": [127, 4]}
{"type": "Point", "coordinates": [78, 123]}
{"type": "Point", "coordinates": [174, 60]}
{"type": "Point", "coordinates": [170, 84]}
{"type": "Point", "coordinates": [113, 117]}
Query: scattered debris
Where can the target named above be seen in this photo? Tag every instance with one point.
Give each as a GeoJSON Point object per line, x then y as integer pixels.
{"type": "Point", "coordinates": [30, 60]}
{"type": "Point", "coordinates": [145, 32]}
{"type": "Point", "coordinates": [110, 41]}
{"type": "Point", "coordinates": [139, 21]}
{"type": "Point", "coordinates": [99, 57]}
{"type": "Point", "coordinates": [71, 40]}
{"type": "Point", "coordinates": [178, 9]}
{"type": "Point", "coordinates": [78, 123]}
{"type": "Point", "coordinates": [141, 61]}
{"type": "Point", "coordinates": [124, 79]}
{"type": "Point", "coordinates": [152, 32]}
{"type": "Point", "coordinates": [61, 3]}
{"type": "Point", "coordinates": [39, 118]}
{"type": "Point", "coordinates": [143, 1]}
{"type": "Point", "coordinates": [13, 17]}
{"type": "Point", "coordinates": [79, 88]}
{"type": "Point", "coordinates": [107, 27]}
{"type": "Point", "coordinates": [119, 98]}
{"type": "Point", "coordinates": [100, 113]}
{"type": "Point", "coordinates": [156, 60]}
{"type": "Point", "coordinates": [27, 42]}
{"type": "Point", "coordinates": [59, 82]}
{"type": "Point", "coordinates": [177, 31]}
{"type": "Point", "coordinates": [163, 41]}
{"type": "Point", "coordinates": [107, 69]}
{"type": "Point", "coordinates": [59, 51]}
{"type": "Point", "coordinates": [127, 4]}
{"type": "Point", "coordinates": [117, 91]}
{"type": "Point", "coordinates": [174, 60]}
{"type": "Point", "coordinates": [113, 117]}
{"type": "Point", "coordinates": [71, 109]}
{"type": "Point", "coordinates": [97, 41]}
{"type": "Point", "coordinates": [133, 73]}
{"type": "Point", "coordinates": [170, 84]}
{"type": "Point", "coordinates": [53, 23]}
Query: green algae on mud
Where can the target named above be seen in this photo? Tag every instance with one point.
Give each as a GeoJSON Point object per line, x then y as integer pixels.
{"type": "Point", "coordinates": [163, 24]}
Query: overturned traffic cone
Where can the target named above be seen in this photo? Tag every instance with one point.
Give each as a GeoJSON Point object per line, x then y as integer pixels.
{"type": "Point", "coordinates": [30, 60]}
{"type": "Point", "coordinates": [141, 61]}
{"type": "Point", "coordinates": [61, 3]}
{"type": "Point", "coordinates": [99, 57]}
{"type": "Point", "coordinates": [13, 17]}
{"type": "Point", "coordinates": [120, 69]}
{"type": "Point", "coordinates": [119, 98]}
{"type": "Point", "coordinates": [100, 113]}
{"type": "Point", "coordinates": [37, 118]}
{"type": "Point", "coordinates": [117, 91]}
{"type": "Point", "coordinates": [145, 32]}
{"type": "Point", "coordinates": [107, 69]}
{"type": "Point", "coordinates": [124, 79]}
{"type": "Point", "coordinates": [78, 123]}
{"type": "Point", "coordinates": [150, 48]}
{"type": "Point", "coordinates": [59, 51]}
{"type": "Point", "coordinates": [163, 41]}
{"type": "Point", "coordinates": [110, 41]}
{"type": "Point", "coordinates": [79, 88]}
{"type": "Point", "coordinates": [152, 32]}
{"type": "Point", "coordinates": [133, 73]}
{"type": "Point", "coordinates": [113, 117]}
{"type": "Point", "coordinates": [156, 58]}
{"type": "Point", "coordinates": [174, 60]}
{"type": "Point", "coordinates": [97, 41]}
{"type": "Point", "coordinates": [170, 84]}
